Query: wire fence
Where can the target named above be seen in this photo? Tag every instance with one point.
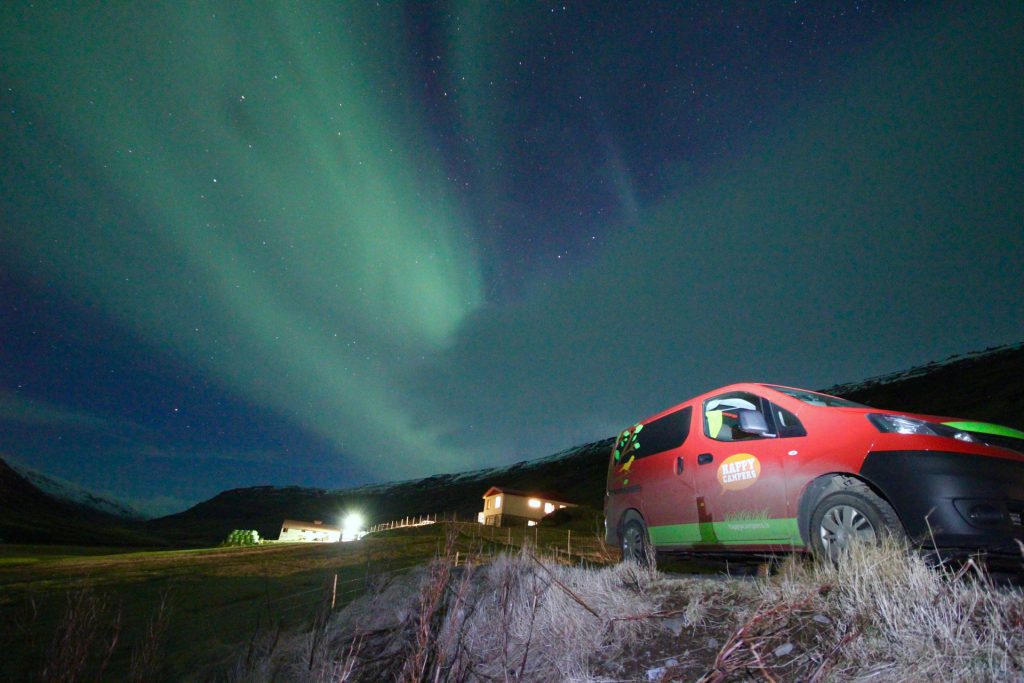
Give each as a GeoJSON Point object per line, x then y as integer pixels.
{"type": "Point", "coordinates": [419, 520]}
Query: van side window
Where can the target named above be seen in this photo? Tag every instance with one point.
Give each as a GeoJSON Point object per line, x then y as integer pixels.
{"type": "Point", "coordinates": [722, 421]}
{"type": "Point", "coordinates": [786, 422]}
{"type": "Point", "coordinates": [665, 433]}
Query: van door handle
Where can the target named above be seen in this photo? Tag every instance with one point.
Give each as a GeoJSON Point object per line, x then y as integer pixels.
{"type": "Point", "coordinates": [679, 465]}
{"type": "Point", "coordinates": [704, 458]}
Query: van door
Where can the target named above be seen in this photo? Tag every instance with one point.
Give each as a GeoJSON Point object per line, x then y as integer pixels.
{"type": "Point", "coordinates": [740, 473]}
{"type": "Point", "coordinates": [668, 492]}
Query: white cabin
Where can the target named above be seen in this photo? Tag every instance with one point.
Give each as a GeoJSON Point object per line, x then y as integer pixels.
{"type": "Point", "coordinates": [309, 532]}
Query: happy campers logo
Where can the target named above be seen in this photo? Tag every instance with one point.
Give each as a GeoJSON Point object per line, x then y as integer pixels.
{"type": "Point", "coordinates": [739, 471]}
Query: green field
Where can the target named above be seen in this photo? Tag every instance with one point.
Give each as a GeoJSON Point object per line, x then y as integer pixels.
{"type": "Point", "coordinates": [218, 598]}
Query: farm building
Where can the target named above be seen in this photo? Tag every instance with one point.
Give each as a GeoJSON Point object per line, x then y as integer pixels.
{"type": "Point", "coordinates": [309, 532]}
{"type": "Point", "coordinates": [508, 507]}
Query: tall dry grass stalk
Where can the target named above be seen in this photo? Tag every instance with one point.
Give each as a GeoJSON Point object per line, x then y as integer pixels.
{"type": "Point", "coordinates": [146, 654]}
{"type": "Point", "coordinates": [84, 640]}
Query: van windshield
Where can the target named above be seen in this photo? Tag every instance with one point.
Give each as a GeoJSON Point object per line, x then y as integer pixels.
{"type": "Point", "coordinates": [816, 399]}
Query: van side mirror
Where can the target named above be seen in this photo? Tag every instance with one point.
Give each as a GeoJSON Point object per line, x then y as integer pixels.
{"type": "Point", "coordinates": [752, 422]}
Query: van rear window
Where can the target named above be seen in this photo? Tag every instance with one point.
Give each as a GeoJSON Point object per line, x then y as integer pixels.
{"type": "Point", "coordinates": [665, 433]}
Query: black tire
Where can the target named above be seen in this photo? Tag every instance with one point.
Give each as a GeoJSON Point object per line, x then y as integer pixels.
{"type": "Point", "coordinates": [849, 510]}
{"type": "Point", "coordinates": [635, 543]}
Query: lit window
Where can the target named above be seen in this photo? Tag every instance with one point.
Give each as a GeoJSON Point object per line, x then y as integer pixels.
{"type": "Point", "coordinates": [560, 507]}
{"type": "Point", "coordinates": [531, 523]}
{"type": "Point", "coordinates": [548, 508]}
{"type": "Point", "coordinates": [497, 502]}
{"type": "Point", "coordinates": [534, 503]}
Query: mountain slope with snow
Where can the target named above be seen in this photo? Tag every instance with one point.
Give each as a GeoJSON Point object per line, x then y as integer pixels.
{"type": "Point", "coordinates": [30, 515]}
{"type": "Point", "coordinates": [69, 492]}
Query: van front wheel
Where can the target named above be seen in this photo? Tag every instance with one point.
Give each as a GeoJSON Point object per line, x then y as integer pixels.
{"type": "Point", "coordinates": [853, 514]}
{"type": "Point", "coordinates": [635, 543]}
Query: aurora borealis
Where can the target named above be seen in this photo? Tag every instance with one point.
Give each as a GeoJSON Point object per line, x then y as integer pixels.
{"type": "Point", "coordinates": [330, 244]}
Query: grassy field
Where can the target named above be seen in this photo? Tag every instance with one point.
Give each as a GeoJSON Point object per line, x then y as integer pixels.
{"type": "Point", "coordinates": [217, 599]}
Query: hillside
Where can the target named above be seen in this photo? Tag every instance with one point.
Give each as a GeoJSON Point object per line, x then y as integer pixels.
{"type": "Point", "coordinates": [30, 515]}
{"type": "Point", "coordinates": [984, 386]}
{"type": "Point", "coordinates": [577, 474]}
{"type": "Point", "coordinates": [70, 492]}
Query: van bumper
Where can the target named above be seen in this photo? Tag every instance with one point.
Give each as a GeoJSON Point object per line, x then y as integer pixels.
{"type": "Point", "coordinates": [953, 501]}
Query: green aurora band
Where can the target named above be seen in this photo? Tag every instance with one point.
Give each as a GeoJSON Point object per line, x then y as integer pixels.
{"type": "Point", "coordinates": [255, 194]}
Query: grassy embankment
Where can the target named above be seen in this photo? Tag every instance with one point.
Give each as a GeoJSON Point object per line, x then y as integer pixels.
{"type": "Point", "coordinates": [884, 615]}
{"type": "Point", "coordinates": [216, 598]}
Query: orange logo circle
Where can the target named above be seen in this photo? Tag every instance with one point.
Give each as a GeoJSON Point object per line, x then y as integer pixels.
{"type": "Point", "coordinates": [739, 471]}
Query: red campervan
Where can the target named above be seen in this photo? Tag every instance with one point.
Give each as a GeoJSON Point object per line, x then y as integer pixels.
{"type": "Point", "coordinates": [764, 468]}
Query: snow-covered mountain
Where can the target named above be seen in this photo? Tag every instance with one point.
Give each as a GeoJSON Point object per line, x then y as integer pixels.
{"type": "Point", "coordinates": [70, 492]}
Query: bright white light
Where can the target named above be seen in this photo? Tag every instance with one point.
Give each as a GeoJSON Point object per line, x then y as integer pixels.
{"type": "Point", "coordinates": [497, 502]}
{"type": "Point", "coordinates": [534, 503]}
{"type": "Point", "coordinates": [354, 522]}
{"type": "Point", "coordinates": [548, 508]}
{"type": "Point", "coordinates": [352, 527]}
{"type": "Point", "coordinates": [531, 523]}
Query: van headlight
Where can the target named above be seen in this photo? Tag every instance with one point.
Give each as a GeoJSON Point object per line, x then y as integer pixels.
{"type": "Point", "coordinates": [901, 424]}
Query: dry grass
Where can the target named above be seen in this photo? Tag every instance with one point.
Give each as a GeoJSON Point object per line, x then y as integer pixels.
{"type": "Point", "coordinates": [900, 618]}
{"type": "Point", "coordinates": [883, 616]}
{"type": "Point", "coordinates": [87, 636]}
{"type": "Point", "coordinates": [517, 618]}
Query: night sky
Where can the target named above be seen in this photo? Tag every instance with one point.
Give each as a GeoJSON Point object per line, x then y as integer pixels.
{"type": "Point", "coordinates": [330, 244]}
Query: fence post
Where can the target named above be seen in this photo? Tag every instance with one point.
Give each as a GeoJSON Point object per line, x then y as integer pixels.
{"type": "Point", "coordinates": [568, 542]}
{"type": "Point", "coordinates": [334, 591]}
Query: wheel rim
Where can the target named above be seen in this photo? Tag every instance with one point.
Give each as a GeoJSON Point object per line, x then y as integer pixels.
{"type": "Point", "coordinates": [632, 543]}
{"type": "Point", "coordinates": [841, 526]}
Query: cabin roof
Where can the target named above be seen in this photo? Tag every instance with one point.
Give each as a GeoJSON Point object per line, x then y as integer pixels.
{"type": "Point", "coordinates": [310, 526]}
{"type": "Point", "coordinates": [548, 496]}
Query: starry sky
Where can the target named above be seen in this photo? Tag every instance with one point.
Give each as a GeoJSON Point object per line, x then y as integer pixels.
{"type": "Point", "coordinates": [329, 244]}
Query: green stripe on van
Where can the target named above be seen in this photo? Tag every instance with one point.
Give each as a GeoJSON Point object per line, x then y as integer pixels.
{"type": "Point", "coordinates": [986, 428]}
{"type": "Point", "coordinates": [784, 530]}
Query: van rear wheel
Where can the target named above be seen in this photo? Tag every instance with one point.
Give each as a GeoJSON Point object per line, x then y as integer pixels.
{"type": "Point", "coordinates": [635, 543]}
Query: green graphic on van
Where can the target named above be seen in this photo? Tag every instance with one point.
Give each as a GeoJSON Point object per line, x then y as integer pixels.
{"type": "Point", "coordinates": [746, 516]}
{"type": "Point", "coordinates": [986, 428]}
{"type": "Point", "coordinates": [626, 447]}
{"type": "Point", "coordinates": [728, 532]}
